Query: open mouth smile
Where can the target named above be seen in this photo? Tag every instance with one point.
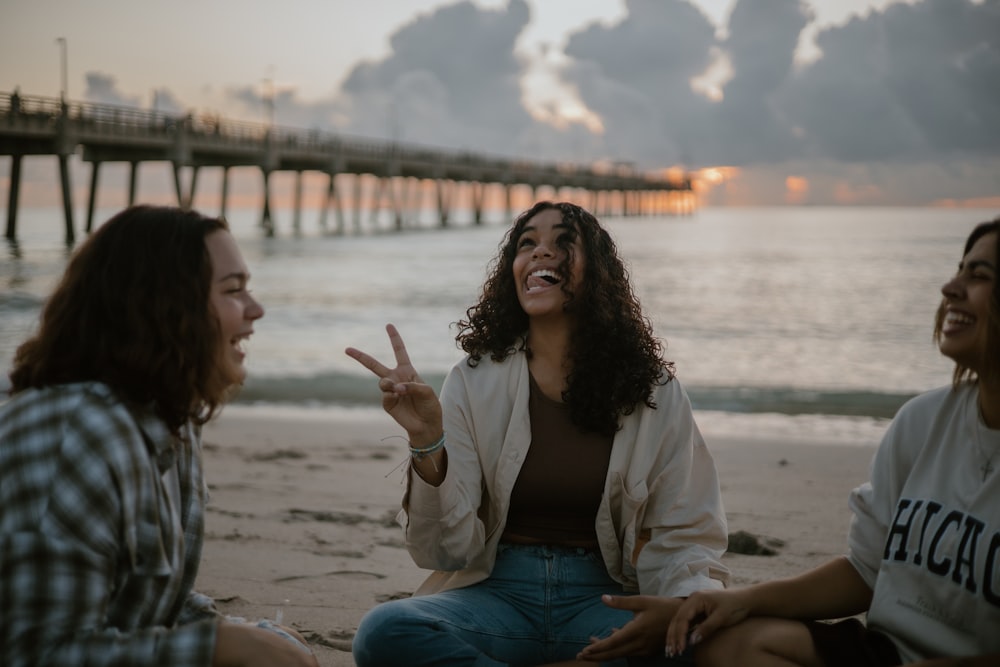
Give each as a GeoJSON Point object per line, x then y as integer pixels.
{"type": "Point", "coordinates": [238, 343]}
{"type": "Point", "coordinates": [956, 321]}
{"type": "Point", "coordinates": [541, 279]}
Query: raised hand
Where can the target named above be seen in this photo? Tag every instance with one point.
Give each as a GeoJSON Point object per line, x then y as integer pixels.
{"type": "Point", "coordinates": [405, 396]}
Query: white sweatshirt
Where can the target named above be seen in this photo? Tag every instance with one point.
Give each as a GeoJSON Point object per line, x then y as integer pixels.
{"type": "Point", "coordinates": [926, 529]}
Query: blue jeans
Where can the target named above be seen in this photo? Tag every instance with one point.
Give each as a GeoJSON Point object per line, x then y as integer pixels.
{"type": "Point", "coordinates": [541, 604]}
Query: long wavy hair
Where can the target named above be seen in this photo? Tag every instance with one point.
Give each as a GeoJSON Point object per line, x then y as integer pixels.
{"type": "Point", "coordinates": [991, 360]}
{"type": "Point", "coordinates": [616, 360]}
{"type": "Point", "coordinates": [132, 311]}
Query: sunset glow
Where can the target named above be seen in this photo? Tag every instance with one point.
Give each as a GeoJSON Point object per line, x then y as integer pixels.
{"type": "Point", "coordinates": [796, 189]}
{"type": "Point", "coordinates": [709, 177]}
{"type": "Point", "coordinates": [975, 202]}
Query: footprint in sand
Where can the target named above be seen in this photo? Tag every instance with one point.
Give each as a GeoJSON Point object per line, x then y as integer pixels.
{"type": "Point", "coordinates": [347, 574]}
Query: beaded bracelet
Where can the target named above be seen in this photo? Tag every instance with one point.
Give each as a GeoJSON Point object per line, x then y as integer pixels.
{"type": "Point", "coordinates": [419, 453]}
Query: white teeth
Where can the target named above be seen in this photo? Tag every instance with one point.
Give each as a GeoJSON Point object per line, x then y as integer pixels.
{"type": "Point", "coordinates": [240, 343]}
{"type": "Point", "coordinates": [543, 273]}
{"type": "Point", "coordinates": [955, 319]}
{"type": "Point", "coordinates": [540, 279]}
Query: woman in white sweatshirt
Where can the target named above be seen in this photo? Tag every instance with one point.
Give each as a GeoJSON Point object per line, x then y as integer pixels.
{"type": "Point", "coordinates": [924, 545]}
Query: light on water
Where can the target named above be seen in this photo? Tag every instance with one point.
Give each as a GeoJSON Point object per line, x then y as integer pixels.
{"type": "Point", "coordinates": [787, 318]}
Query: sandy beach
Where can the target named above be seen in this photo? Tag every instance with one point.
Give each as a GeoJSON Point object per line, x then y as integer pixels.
{"type": "Point", "coordinates": [300, 523]}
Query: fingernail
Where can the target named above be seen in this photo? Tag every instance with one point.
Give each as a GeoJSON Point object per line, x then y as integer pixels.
{"type": "Point", "coordinates": [695, 637]}
{"type": "Point", "coordinates": [669, 652]}
{"type": "Point", "coordinates": [606, 598]}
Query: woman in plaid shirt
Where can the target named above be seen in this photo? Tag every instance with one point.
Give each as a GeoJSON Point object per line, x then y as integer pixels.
{"type": "Point", "coordinates": [101, 490]}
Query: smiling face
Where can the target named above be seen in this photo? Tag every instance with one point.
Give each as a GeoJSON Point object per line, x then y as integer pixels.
{"type": "Point", "coordinates": [964, 315]}
{"type": "Point", "coordinates": [232, 303]}
{"type": "Point", "coordinates": [548, 264]}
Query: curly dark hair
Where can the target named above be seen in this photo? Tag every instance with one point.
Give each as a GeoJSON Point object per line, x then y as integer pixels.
{"type": "Point", "coordinates": [132, 311]}
{"type": "Point", "coordinates": [616, 360]}
{"type": "Point", "coordinates": [991, 362]}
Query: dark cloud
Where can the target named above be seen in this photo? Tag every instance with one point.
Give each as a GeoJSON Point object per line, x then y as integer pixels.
{"type": "Point", "coordinates": [658, 42]}
{"type": "Point", "coordinates": [750, 123]}
{"type": "Point", "coordinates": [843, 103]}
{"type": "Point", "coordinates": [103, 89]}
{"type": "Point", "coordinates": [288, 110]}
{"type": "Point", "coordinates": [944, 70]}
{"type": "Point", "coordinates": [166, 102]}
{"type": "Point", "coordinates": [452, 79]}
{"type": "Point", "coordinates": [636, 76]}
{"type": "Point", "coordinates": [913, 87]}
{"type": "Point", "coordinates": [915, 82]}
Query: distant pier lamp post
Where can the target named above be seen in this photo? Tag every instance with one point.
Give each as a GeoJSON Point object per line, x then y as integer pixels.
{"type": "Point", "coordinates": [268, 99]}
{"type": "Point", "coordinates": [64, 86]}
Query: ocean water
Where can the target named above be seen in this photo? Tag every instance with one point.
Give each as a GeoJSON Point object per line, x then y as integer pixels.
{"type": "Point", "coordinates": [813, 323]}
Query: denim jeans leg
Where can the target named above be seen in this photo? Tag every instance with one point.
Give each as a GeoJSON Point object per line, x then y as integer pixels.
{"type": "Point", "coordinates": [455, 628]}
{"type": "Point", "coordinates": [541, 604]}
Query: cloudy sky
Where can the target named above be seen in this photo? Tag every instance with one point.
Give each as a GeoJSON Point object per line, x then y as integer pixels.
{"type": "Point", "coordinates": [889, 102]}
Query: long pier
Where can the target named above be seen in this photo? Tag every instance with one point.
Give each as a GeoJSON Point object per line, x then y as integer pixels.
{"type": "Point", "coordinates": [100, 133]}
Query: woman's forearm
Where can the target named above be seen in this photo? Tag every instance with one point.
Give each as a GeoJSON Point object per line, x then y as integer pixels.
{"type": "Point", "coordinates": [832, 590]}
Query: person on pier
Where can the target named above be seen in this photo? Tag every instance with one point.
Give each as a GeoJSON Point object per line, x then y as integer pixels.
{"type": "Point", "coordinates": [561, 463]}
{"type": "Point", "coordinates": [923, 559]}
{"type": "Point", "coordinates": [102, 497]}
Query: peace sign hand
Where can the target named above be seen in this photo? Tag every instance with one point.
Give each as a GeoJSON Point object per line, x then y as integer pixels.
{"type": "Point", "coordinates": [405, 396]}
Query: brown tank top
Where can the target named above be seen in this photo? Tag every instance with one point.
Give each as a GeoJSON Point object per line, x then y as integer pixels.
{"type": "Point", "coordinates": [559, 487]}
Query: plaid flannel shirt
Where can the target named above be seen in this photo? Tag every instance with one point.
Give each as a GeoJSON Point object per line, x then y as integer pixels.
{"type": "Point", "coordinates": [97, 560]}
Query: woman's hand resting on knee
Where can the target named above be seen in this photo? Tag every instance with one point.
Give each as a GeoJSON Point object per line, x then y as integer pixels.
{"type": "Point", "coordinates": [643, 635]}
{"type": "Point", "coordinates": [703, 614]}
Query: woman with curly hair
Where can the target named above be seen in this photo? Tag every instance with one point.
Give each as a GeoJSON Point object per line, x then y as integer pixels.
{"type": "Point", "coordinates": [561, 465]}
{"type": "Point", "coordinates": [102, 496]}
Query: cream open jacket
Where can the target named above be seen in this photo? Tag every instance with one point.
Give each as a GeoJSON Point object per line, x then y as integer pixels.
{"type": "Point", "coordinates": [661, 524]}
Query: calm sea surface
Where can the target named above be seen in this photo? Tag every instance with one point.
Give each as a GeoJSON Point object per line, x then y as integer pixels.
{"type": "Point", "coordinates": [810, 322]}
